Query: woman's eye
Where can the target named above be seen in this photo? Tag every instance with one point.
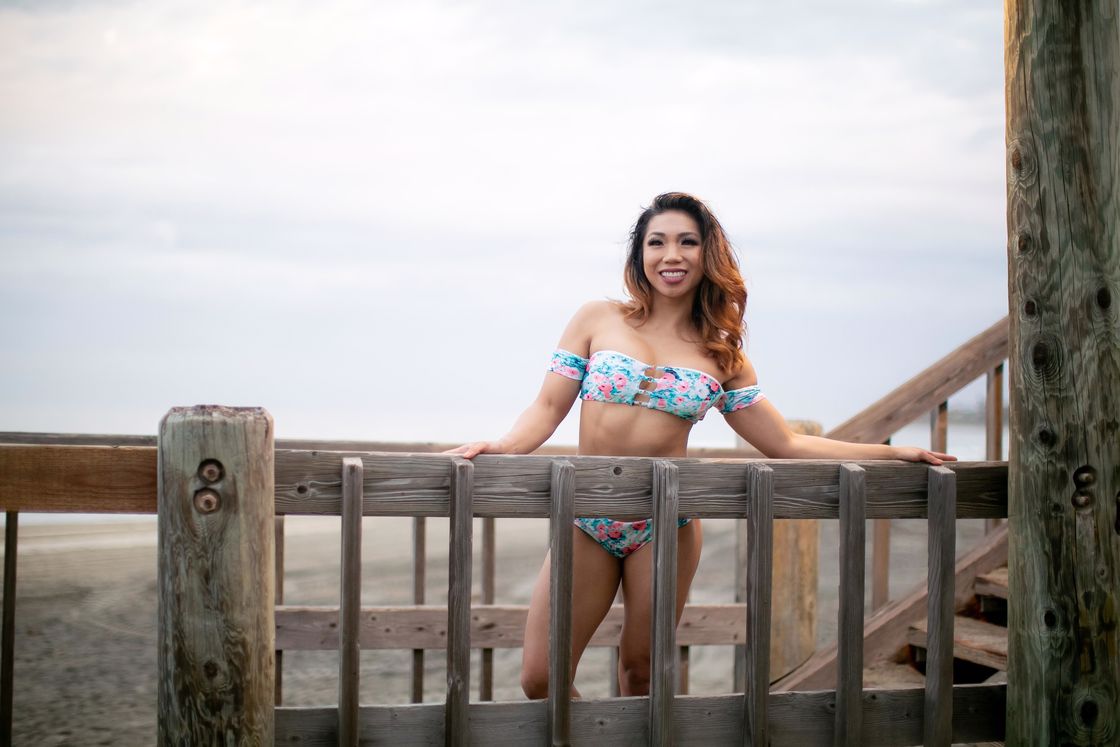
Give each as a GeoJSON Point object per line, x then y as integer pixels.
{"type": "Point", "coordinates": [653, 242]}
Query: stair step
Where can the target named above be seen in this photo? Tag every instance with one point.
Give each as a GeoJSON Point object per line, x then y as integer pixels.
{"type": "Point", "coordinates": [974, 640]}
{"type": "Point", "coordinates": [993, 584]}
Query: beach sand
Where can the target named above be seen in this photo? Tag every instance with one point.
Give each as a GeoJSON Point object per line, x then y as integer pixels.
{"type": "Point", "coordinates": [85, 664]}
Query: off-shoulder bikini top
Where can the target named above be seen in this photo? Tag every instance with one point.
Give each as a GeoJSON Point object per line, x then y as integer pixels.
{"type": "Point", "coordinates": [611, 376]}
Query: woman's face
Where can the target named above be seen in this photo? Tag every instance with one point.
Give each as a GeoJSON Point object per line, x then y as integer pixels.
{"type": "Point", "coordinates": [671, 254]}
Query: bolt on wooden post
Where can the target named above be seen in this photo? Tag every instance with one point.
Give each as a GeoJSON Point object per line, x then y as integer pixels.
{"type": "Point", "coordinates": [216, 549]}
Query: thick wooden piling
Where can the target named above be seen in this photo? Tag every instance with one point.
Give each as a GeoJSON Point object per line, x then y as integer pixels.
{"type": "Point", "coordinates": [216, 586]}
{"type": "Point", "coordinates": [1063, 223]}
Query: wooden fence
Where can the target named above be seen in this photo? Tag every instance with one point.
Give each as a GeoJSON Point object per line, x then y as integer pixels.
{"type": "Point", "coordinates": [356, 485]}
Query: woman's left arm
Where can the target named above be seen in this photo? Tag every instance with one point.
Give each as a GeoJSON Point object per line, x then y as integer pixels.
{"type": "Point", "coordinates": [764, 427]}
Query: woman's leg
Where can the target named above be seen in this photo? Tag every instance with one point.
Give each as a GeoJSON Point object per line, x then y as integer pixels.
{"type": "Point", "coordinates": [637, 595]}
{"type": "Point", "coordinates": [595, 577]}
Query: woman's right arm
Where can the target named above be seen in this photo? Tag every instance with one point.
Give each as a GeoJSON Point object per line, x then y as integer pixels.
{"type": "Point", "coordinates": [541, 418]}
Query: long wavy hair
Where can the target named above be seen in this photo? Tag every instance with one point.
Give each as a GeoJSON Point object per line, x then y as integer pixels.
{"type": "Point", "coordinates": [721, 299]}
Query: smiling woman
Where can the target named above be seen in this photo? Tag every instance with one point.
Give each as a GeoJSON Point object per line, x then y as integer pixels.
{"type": "Point", "coordinates": [672, 351]}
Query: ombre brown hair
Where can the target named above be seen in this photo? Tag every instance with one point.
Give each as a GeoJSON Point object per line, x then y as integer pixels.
{"type": "Point", "coordinates": [721, 298]}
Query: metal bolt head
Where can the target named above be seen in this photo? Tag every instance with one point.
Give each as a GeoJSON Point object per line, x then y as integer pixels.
{"type": "Point", "coordinates": [207, 501]}
{"type": "Point", "coordinates": [210, 470]}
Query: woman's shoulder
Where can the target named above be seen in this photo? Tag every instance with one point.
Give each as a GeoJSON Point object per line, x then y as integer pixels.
{"type": "Point", "coordinates": [594, 313]}
{"type": "Point", "coordinates": [745, 376]}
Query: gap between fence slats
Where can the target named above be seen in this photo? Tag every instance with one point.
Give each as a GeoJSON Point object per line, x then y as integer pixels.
{"type": "Point", "coordinates": [942, 552]}
{"type": "Point", "coordinates": [419, 574]}
{"type": "Point", "coordinates": [486, 668]}
{"type": "Point", "coordinates": [278, 539]}
{"type": "Point", "coordinates": [350, 602]}
{"type": "Point", "coordinates": [760, 551]}
{"type": "Point", "coordinates": [457, 727]}
{"type": "Point", "coordinates": [939, 428]}
{"type": "Point", "coordinates": [849, 674]}
{"type": "Point", "coordinates": [663, 654]}
{"type": "Point", "coordinates": [891, 717]}
{"type": "Point", "coordinates": [993, 426]}
{"type": "Point", "coordinates": [560, 603]}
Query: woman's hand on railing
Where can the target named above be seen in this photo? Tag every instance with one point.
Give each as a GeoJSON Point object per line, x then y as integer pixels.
{"type": "Point", "coordinates": [474, 448]}
{"type": "Point", "coordinates": [914, 454]}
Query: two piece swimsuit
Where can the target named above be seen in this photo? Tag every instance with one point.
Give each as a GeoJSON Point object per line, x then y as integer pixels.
{"type": "Point", "coordinates": [617, 378]}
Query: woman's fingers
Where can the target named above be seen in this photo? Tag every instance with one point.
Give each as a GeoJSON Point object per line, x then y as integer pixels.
{"type": "Point", "coordinates": [471, 450]}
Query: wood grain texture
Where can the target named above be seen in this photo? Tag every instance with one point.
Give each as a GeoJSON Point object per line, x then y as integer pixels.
{"type": "Point", "coordinates": [889, 625]}
{"type": "Point", "coordinates": [216, 632]}
{"type": "Point", "coordinates": [301, 628]}
{"type": "Point", "coordinates": [1063, 223]}
{"type": "Point", "coordinates": [350, 603]}
{"type": "Point", "coordinates": [993, 425]}
{"type": "Point", "coordinates": [928, 389]}
{"type": "Point", "coordinates": [849, 679]}
{"type": "Point", "coordinates": [880, 563]}
{"type": "Point", "coordinates": [992, 584]}
{"type": "Point", "coordinates": [892, 717]}
{"type": "Point", "coordinates": [973, 640]}
{"type": "Point", "coordinates": [760, 555]}
{"type": "Point", "coordinates": [457, 729]}
{"type": "Point", "coordinates": [939, 428]}
{"type": "Point", "coordinates": [107, 479]}
{"type": "Point", "coordinates": [278, 597]}
{"type": "Point", "coordinates": [663, 651]}
{"type": "Point", "coordinates": [942, 547]}
{"type": "Point", "coordinates": [560, 603]}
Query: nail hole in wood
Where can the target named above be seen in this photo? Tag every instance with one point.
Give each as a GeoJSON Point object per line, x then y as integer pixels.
{"type": "Point", "coordinates": [211, 470]}
{"type": "Point", "coordinates": [1104, 298]}
{"type": "Point", "coordinates": [1049, 618]}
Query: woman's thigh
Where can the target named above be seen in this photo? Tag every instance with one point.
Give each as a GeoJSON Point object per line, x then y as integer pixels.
{"type": "Point", "coordinates": [595, 577]}
{"type": "Point", "coordinates": [637, 590]}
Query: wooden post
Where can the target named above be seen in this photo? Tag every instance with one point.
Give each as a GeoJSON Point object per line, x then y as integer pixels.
{"type": "Point", "coordinates": [993, 428]}
{"type": "Point", "coordinates": [880, 560]}
{"type": "Point", "coordinates": [941, 549]}
{"type": "Point", "coordinates": [489, 547]}
{"type": "Point", "coordinates": [216, 605]}
{"type": "Point", "coordinates": [1063, 221]}
{"type": "Point", "coordinates": [278, 566]}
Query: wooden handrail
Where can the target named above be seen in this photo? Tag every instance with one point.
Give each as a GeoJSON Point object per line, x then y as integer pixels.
{"type": "Point", "coordinates": [927, 390]}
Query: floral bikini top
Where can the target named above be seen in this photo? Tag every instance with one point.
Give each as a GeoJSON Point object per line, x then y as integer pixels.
{"type": "Point", "coordinates": [610, 376]}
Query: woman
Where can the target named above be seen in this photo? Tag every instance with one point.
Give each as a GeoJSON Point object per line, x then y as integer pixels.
{"type": "Point", "coordinates": [672, 351]}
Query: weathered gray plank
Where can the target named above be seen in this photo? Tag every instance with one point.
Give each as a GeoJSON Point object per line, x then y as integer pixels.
{"type": "Point", "coordinates": [939, 427]}
{"type": "Point", "coordinates": [107, 479]}
{"type": "Point", "coordinates": [459, 555]}
{"type": "Point", "coordinates": [760, 555]}
{"type": "Point", "coordinates": [942, 552]}
{"type": "Point", "coordinates": [849, 711]}
{"type": "Point", "coordinates": [560, 603]}
{"type": "Point", "coordinates": [973, 640]}
{"type": "Point", "coordinates": [216, 629]}
{"type": "Point", "coordinates": [492, 626]}
{"type": "Point", "coordinates": [891, 717]}
{"type": "Point", "coordinates": [419, 576]}
{"type": "Point", "coordinates": [663, 653]}
{"type": "Point", "coordinates": [350, 602]}
{"type": "Point", "coordinates": [993, 425]}
{"type": "Point", "coordinates": [880, 563]}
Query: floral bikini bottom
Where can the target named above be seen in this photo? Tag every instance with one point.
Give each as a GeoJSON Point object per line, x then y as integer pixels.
{"type": "Point", "coordinates": [620, 538]}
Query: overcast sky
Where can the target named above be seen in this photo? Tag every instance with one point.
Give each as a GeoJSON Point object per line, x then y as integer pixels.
{"type": "Point", "coordinates": [374, 219]}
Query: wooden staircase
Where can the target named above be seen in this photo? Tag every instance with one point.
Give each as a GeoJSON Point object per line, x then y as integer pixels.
{"type": "Point", "coordinates": [980, 632]}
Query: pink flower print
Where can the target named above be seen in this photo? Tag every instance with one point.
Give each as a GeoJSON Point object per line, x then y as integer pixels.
{"type": "Point", "coordinates": [619, 380]}
{"type": "Point", "coordinates": [682, 387]}
{"type": "Point", "coordinates": [639, 525]}
{"type": "Point", "coordinates": [714, 385]}
{"type": "Point", "coordinates": [605, 389]}
{"type": "Point", "coordinates": [568, 371]}
{"type": "Point", "coordinates": [630, 548]}
{"type": "Point", "coordinates": [661, 404]}
{"type": "Point", "coordinates": [679, 400]}
{"type": "Point", "coordinates": [616, 530]}
{"type": "Point", "coordinates": [601, 532]}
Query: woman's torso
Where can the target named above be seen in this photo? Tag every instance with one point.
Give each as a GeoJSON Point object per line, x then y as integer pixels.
{"type": "Point", "coordinates": [609, 428]}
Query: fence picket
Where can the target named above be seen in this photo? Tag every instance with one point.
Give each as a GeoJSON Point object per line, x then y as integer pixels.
{"type": "Point", "coordinates": [663, 660]}
{"type": "Point", "coordinates": [760, 550]}
{"type": "Point", "coordinates": [350, 602]}
{"type": "Point", "coordinates": [419, 574]}
{"type": "Point", "coordinates": [849, 671]}
{"type": "Point", "coordinates": [560, 603]}
{"type": "Point", "coordinates": [456, 716]}
{"type": "Point", "coordinates": [942, 554]}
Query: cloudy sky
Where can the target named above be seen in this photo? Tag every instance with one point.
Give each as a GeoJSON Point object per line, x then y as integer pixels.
{"type": "Point", "coordinates": [374, 219]}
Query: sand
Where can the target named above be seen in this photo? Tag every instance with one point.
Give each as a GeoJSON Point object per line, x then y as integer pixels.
{"type": "Point", "coordinates": [85, 665]}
